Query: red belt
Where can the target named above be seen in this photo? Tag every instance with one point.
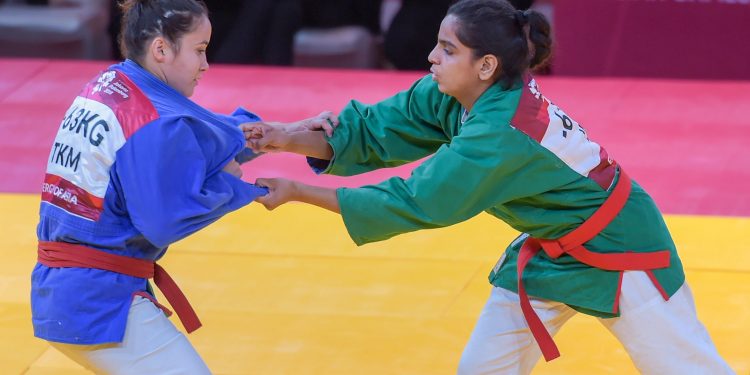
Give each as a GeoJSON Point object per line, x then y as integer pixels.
{"type": "Point", "coordinates": [61, 254]}
{"type": "Point", "coordinates": [572, 244]}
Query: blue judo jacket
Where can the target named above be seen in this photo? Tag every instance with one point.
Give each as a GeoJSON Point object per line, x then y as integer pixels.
{"type": "Point", "coordinates": [135, 166]}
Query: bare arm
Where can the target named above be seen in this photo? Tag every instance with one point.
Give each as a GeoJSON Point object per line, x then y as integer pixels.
{"type": "Point", "coordinates": [263, 137]}
{"type": "Point", "coordinates": [281, 191]}
{"type": "Point", "coordinates": [325, 121]}
{"type": "Point", "coordinates": [310, 143]}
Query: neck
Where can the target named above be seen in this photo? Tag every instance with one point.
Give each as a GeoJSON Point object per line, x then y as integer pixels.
{"type": "Point", "coordinates": [153, 68]}
{"type": "Point", "coordinates": [468, 99]}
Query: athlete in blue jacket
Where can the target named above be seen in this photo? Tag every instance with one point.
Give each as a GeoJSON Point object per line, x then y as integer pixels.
{"type": "Point", "coordinates": [135, 166]}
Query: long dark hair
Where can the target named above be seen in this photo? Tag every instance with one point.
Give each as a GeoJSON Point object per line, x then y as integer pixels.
{"type": "Point", "coordinates": [521, 40]}
{"type": "Point", "coordinates": [143, 20]}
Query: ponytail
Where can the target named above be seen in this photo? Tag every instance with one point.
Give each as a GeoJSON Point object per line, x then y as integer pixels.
{"type": "Point", "coordinates": [519, 39]}
{"type": "Point", "coordinates": [540, 40]}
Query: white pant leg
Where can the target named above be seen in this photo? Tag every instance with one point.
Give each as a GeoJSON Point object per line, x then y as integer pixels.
{"type": "Point", "coordinates": [152, 345]}
{"type": "Point", "coordinates": [502, 342]}
{"type": "Point", "coordinates": [663, 337]}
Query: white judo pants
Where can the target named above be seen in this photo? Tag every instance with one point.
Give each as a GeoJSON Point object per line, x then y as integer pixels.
{"type": "Point", "coordinates": [152, 345]}
{"type": "Point", "coordinates": [661, 337]}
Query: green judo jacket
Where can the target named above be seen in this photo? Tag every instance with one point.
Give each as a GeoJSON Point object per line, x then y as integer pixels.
{"type": "Point", "coordinates": [517, 157]}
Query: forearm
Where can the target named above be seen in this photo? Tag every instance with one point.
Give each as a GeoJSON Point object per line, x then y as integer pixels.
{"type": "Point", "coordinates": [309, 143]}
{"type": "Point", "coordinates": [318, 196]}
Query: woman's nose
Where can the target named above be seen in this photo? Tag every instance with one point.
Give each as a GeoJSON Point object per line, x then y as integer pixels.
{"type": "Point", "coordinates": [432, 57]}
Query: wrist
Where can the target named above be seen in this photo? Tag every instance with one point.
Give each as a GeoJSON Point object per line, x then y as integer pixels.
{"type": "Point", "coordinates": [292, 127]}
{"type": "Point", "coordinates": [296, 191]}
{"type": "Point", "coordinates": [292, 142]}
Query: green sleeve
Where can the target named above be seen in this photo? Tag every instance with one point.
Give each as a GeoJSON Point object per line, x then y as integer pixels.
{"type": "Point", "coordinates": [487, 164]}
{"type": "Point", "coordinates": [403, 128]}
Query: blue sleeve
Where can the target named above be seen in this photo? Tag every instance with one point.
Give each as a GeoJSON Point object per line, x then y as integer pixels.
{"type": "Point", "coordinates": [241, 116]}
{"type": "Point", "coordinates": [171, 178]}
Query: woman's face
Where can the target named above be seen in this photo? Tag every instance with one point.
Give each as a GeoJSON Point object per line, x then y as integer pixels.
{"type": "Point", "coordinates": [454, 66]}
{"type": "Point", "coordinates": [183, 68]}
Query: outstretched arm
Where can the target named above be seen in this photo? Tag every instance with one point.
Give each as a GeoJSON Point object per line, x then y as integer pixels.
{"type": "Point", "coordinates": [325, 121]}
{"type": "Point", "coordinates": [281, 191]}
{"type": "Point", "coordinates": [262, 137]}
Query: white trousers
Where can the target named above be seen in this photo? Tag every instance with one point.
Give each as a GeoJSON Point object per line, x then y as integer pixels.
{"type": "Point", "coordinates": [152, 345]}
{"type": "Point", "coordinates": [661, 337]}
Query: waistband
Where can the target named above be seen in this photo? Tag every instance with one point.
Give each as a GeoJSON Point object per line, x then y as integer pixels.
{"type": "Point", "coordinates": [572, 244]}
{"type": "Point", "coordinates": [62, 254]}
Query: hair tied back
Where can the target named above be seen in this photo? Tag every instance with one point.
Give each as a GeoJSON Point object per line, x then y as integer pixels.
{"type": "Point", "coordinates": [522, 18]}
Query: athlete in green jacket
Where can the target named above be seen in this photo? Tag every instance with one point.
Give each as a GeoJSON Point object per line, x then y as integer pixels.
{"type": "Point", "coordinates": [497, 145]}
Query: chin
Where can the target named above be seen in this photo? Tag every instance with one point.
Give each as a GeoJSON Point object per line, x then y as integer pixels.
{"type": "Point", "coordinates": [442, 89]}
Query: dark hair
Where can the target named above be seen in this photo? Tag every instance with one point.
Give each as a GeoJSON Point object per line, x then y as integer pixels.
{"type": "Point", "coordinates": [143, 20]}
{"type": "Point", "coordinates": [495, 27]}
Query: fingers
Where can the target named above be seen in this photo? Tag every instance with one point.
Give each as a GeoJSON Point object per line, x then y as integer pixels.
{"type": "Point", "coordinates": [250, 126]}
{"type": "Point", "coordinates": [328, 122]}
{"type": "Point", "coordinates": [254, 133]}
{"type": "Point", "coordinates": [265, 182]}
{"type": "Point", "coordinates": [327, 127]}
{"type": "Point", "coordinates": [325, 121]}
{"type": "Point", "coordinates": [271, 139]}
{"type": "Point", "coordinates": [254, 130]}
{"type": "Point", "coordinates": [266, 201]}
{"type": "Point", "coordinates": [255, 144]}
{"type": "Point", "coordinates": [233, 168]}
{"type": "Point", "coordinates": [262, 145]}
{"type": "Point", "coordinates": [280, 191]}
{"type": "Point", "coordinates": [271, 200]}
{"type": "Point", "coordinates": [331, 117]}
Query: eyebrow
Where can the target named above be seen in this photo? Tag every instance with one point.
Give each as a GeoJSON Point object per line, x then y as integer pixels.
{"type": "Point", "coordinates": [447, 43]}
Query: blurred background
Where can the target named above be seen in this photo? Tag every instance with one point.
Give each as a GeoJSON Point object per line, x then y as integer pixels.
{"type": "Point", "coordinates": [694, 39]}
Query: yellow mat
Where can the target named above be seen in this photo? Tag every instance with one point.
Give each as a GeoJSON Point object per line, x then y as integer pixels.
{"type": "Point", "coordinates": [286, 292]}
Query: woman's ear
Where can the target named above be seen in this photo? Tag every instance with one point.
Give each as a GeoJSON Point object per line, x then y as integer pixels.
{"type": "Point", "coordinates": [489, 67]}
{"type": "Point", "coordinates": [159, 49]}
